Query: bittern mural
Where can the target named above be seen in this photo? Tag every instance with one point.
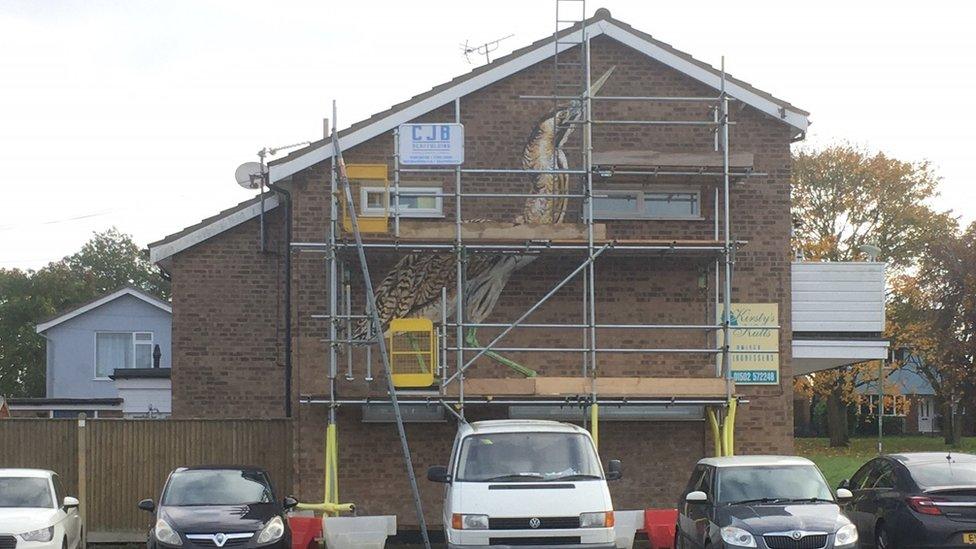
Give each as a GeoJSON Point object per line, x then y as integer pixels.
{"type": "Point", "coordinates": [412, 288]}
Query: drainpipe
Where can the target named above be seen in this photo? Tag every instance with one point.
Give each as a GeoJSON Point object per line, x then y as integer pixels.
{"type": "Point", "coordinates": [287, 196]}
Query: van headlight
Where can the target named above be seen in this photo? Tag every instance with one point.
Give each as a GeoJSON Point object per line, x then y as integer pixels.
{"type": "Point", "coordinates": [847, 535]}
{"type": "Point", "coordinates": [601, 519]}
{"type": "Point", "coordinates": [469, 522]}
{"type": "Point", "coordinates": [738, 537]}
{"type": "Point", "coordinates": [272, 531]}
{"type": "Point", "coordinates": [165, 533]}
{"type": "Point", "coordinates": [41, 534]}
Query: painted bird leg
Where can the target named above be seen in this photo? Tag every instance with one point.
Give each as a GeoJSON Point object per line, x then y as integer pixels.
{"type": "Point", "coordinates": [472, 340]}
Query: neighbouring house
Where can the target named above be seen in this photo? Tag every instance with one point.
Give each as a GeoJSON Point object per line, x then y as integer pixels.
{"type": "Point", "coordinates": [231, 355]}
{"type": "Point", "coordinates": [107, 358]}
{"type": "Point", "coordinates": [908, 395]}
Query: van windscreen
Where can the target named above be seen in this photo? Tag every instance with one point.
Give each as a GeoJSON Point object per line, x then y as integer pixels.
{"type": "Point", "coordinates": [515, 457]}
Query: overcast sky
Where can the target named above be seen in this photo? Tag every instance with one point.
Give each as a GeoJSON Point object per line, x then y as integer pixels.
{"type": "Point", "coordinates": [135, 113]}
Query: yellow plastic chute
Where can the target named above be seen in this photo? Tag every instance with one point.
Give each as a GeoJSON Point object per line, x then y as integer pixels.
{"type": "Point", "coordinates": [723, 433]}
{"type": "Point", "coordinates": [330, 505]}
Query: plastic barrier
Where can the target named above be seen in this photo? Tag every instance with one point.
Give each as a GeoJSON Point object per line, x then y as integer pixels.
{"type": "Point", "coordinates": [659, 526]}
{"type": "Point", "coordinates": [626, 524]}
{"type": "Point", "coordinates": [304, 530]}
{"type": "Point", "coordinates": [358, 532]}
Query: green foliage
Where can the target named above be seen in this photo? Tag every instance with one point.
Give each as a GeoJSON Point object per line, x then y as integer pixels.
{"type": "Point", "coordinates": [107, 262]}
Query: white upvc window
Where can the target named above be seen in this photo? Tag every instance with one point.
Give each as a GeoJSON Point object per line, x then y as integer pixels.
{"type": "Point", "coordinates": [414, 201]}
{"type": "Point", "coordinates": [120, 350]}
{"type": "Point", "coordinates": [651, 203]}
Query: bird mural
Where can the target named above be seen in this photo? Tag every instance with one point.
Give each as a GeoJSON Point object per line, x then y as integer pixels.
{"type": "Point", "coordinates": [412, 288]}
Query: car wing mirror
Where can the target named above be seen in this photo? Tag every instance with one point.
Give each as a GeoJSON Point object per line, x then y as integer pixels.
{"type": "Point", "coordinates": [846, 483]}
{"type": "Point", "coordinates": [697, 497]}
{"type": "Point", "coordinates": [438, 473]}
{"type": "Point", "coordinates": [70, 502]}
{"type": "Point", "coordinates": [147, 505]}
{"type": "Point", "coordinates": [289, 503]}
{"type": "Point", "coordinates": [844, 495]}
{"type": "Point", "coordinates": [614, 470]}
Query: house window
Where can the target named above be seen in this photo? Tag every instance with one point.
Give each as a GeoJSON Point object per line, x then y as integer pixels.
{"type": "Point", "coordinates": [120, 350]}
{"type": "Point", "coordinates": [647, 204]}
{"type": "Point", "coordinates": [414, 201]}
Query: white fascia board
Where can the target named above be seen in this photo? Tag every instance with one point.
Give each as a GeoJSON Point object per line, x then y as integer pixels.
{"type": "Point", "coordinates": [78, 407]}
{"type": "Point", "coordinates": [678, 63]}
{"type": "Point", "coordinates": [163, 251]}
{"type": "Point", "coordinates": [853, 349]}
{"type": "Point", "coordinates": [524, 61]}
{"type": "Point", "coordinates": [98, 303]}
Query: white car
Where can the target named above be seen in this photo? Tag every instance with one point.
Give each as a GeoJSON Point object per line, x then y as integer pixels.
{"type": "Point", "coordinates": [35, 513]}
{"type": "Point", "coordinates": [522, 482]}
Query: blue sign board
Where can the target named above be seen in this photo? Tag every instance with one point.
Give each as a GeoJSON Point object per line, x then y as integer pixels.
{"type": "Point", "coordinates": [431, 144]}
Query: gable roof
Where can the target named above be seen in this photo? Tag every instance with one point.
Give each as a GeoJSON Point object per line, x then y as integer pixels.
{"type": "Point", "coordinates": [601, 24]}
{"type": "Point", "coordinates": [99, 301]}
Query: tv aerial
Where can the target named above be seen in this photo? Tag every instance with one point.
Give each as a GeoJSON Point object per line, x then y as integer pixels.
{"type": "Point", "coordinates": [250, 175]}
{"type": "Point", "coordinates": [484, 49]}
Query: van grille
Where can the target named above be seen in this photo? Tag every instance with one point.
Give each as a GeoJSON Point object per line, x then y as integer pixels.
{"type": "Point", "coordinates": [8, 542]}
{"type": "Point", "coordinates": [815, 541]}
{"type": "Point", "coordinates": [522, 523]}
{"type": "Point", "coordinates": [561, 540]}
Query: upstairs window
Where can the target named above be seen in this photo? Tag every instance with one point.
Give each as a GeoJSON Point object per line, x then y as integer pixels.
{"type": "Point", "coordinates": [414, 201]}
{"type": "Point", "coordinates": [121, 350]}
{"type": "Point", "coordinates": [647, 204]}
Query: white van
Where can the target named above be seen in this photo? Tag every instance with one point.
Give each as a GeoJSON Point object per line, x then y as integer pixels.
{"type": "Point", "coordinates": [512, 482]}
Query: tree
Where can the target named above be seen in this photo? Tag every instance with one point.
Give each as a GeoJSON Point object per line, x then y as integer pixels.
{"type": "Point", "coordinates": [845, 197]}
{"type": "Point", "coordinates": [934, 312]}
{"type": "Point", "coordinates": [108, 261]}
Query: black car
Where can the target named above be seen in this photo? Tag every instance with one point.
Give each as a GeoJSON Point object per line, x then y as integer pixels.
{"type": "Point", "coordinates": [915, 500]}
{"type": "Point", "coordinates": [208, 507]}
{"type": "Point", "coordinates": [762, 502]}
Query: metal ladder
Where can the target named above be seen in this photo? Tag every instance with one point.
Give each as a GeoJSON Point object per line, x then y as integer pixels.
{"type": "Point", "coordinates": [569, 69]}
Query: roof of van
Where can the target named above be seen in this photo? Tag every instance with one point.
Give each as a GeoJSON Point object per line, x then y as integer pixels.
{"type": "Point", "coordinates": [519, 426]}
{"type": "Point", "coordinates": [26, 473]}
{"type": "Point", "coordinates": [754, 461]}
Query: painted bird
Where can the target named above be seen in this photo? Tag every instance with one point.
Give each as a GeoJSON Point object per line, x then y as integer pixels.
{"type": "Point", "coordinates": [412, 289]}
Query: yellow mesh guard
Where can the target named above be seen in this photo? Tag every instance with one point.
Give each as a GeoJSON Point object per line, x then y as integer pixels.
{"type": "Point", "coordinates": [413, 352]}
{"type": "Point", "coordinates": [368, 175]}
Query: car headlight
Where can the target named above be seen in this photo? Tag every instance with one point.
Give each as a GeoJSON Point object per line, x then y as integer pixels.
{"type": "Point", "coordinates": [847, 535]}
{"type": "Point", "coordinates": [272, 531]}
{"type": "Point", "coordinates": [601, 519]}
{"type": "Point", "coordinates": [165, 533]}
{"type": "Point", "coordinates": [41, 534]}
{"type": "Point", "coordinates": [738, 537]}
{"type": "Point", "coordinates": [469, 522]}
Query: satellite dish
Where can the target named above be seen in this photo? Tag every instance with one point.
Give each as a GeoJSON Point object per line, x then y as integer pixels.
{"type": "Point", "coordinates": [249, 175]}
{"type": "Point", "coordinates": [870, 250]}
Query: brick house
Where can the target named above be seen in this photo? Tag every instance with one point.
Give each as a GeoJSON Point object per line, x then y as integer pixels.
{"type": "Point", "coordinates": [228, 295]}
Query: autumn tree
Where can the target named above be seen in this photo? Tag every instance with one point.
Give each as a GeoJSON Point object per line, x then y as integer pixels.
{"type": "Point", "coordinates": [107, 262]}
{"type": "Point", "coordinates": [845, 197]}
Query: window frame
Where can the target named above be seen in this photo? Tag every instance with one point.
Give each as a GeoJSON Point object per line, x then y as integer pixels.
{"type": "Point", "coordinates": [435, 212]}
{"type": "Point", "coordinates": [134, 342]}
{"type": "Point", "coordinates": [640, 214]}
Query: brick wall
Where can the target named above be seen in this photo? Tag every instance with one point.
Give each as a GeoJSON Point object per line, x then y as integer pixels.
{"type": "Point", "coordinates": [227, 295]}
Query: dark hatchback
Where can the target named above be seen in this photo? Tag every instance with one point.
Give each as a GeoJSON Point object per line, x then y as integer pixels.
{"type": "Point", "coordinates": [762, 502]}
{"type": "Point", "coordinates": [925, 499]}
{"type": "Point", "coordinates": [216, 507]}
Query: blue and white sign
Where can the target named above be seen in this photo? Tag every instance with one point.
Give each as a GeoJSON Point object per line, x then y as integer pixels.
{"type": "Point", "coordinates": [431, 144]}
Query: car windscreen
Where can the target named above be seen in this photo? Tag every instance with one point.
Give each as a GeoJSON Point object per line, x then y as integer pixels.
{"type": "Point", "coordinates": [25, 492]}
{"type": "Point", "coordinates": [944, 473]}
{"type": "Point", "coordinates": [514, 457]}
{"type": "Point", "coordinates": [775, 482]}
{"type": "Point", "coordinates": [217, 487]}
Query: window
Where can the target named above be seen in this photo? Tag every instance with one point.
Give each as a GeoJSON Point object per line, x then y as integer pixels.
{"type": "Point", "coordinates": [525, 456]}
{"type": "Point", "coordinates": [647, 204]}
{"type": "Point", "coordinates": [217, 487]}
{"type": "Point", "coordinates": [774, 482]}
{"type": "Point", "coordinates": [414, 201]}
{"type": "Point", "coordinates": [120, 350]}
{"type": "Point", "coordinates": [25, 492]}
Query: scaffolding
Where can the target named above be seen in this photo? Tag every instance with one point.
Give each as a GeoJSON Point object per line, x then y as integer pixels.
{"type": "Point", "coordinates": [571, 60]}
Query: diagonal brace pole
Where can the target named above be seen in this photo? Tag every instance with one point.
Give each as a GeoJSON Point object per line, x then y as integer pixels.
{"type": "Point", "coordinates": [378, 329]}
{"type": "Point", "coordinates": [531, 310]}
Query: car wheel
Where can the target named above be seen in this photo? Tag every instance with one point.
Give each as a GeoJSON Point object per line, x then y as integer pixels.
{"type": "Point", "coordinates": [882, 539]}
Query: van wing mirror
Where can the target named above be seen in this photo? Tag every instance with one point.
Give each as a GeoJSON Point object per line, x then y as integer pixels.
{"type": "Point", "coordinates": [147, 505]}
{"type": "Point", "coordinates": [696, 497]}
{"type": "Point", "coordinates": [614, 470]}
{"type": "Point", "coordinates": [438, 473]}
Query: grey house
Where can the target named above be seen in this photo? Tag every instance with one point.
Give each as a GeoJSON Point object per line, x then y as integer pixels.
{"type": "Point", "coordinates": [109, 358]}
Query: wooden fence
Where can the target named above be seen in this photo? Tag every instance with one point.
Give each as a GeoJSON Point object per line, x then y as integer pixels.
{"type": "Point", "coordinates": [110, 464]}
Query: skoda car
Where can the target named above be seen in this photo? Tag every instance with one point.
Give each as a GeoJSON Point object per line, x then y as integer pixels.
{"type": "Point", "coordinates": [35, 512]}
{"type": "Point", "coordinates": [208, 507]}
{"type": "Point", "coordinates": [762, 502]}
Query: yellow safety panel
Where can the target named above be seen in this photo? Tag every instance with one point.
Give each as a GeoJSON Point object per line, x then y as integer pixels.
{"type": "Point", "coordinates": [413, 352]}
{"type": "Point", "coordinates": [368, 175]}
